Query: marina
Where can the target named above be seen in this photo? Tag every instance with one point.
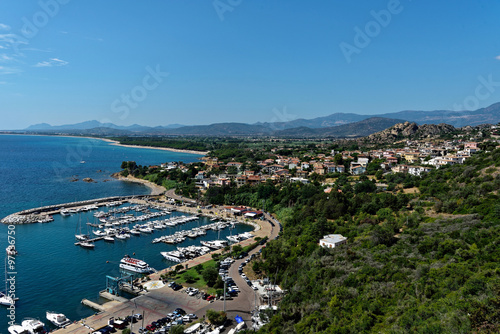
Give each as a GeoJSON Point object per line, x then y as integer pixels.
{"type": "Point", "coordinates": [158, 230]}
{"type": "Point", "coordinates": [51, 273]}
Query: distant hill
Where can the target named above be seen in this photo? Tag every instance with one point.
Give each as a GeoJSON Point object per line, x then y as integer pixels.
{"type": "Point", "coordinates": [409, 130]}
{"type": "Point", "coordinates": [489, 114]}
{"type": "Point", "coordinates": [219, 129]}
{"type": "Point", "coordinates": [95, 124]}
{"type": "Point", "coordinates": [334, 125]}
{"type": "Point", "coordinates": [356, 129]}
{"type": "Point", "coordinates": [318, 122]}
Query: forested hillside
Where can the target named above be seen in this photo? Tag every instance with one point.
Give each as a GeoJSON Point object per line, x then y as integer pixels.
{"type": "Point", "coordinates": [427, 264]}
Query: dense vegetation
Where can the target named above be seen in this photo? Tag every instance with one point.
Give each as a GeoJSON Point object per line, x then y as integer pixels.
{"type": "Point", "coordinates": [405, 269]}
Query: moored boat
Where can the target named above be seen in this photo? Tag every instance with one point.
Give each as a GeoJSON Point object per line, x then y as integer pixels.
{"type": "Point", "coordinates": [17, 329]}
{"type": "Point", "coordinates": [135, 265]}
{"type": "Point", "coordinates": [135, 232]}
{"type": "Point", "coordinates": [6, 300]}
{"type": "Point", "coordinates": [87, 244]}
{"type": "Point", "coordinates": [109, 238]}
{"type": "Point", "coordinates": [57, 319]}
{"type": "Point", "coordinates": [65, 213]}
{"type": "Point", "coordinates": [34, 326]}
{"type": "Point", "coordinates": [11, 250]}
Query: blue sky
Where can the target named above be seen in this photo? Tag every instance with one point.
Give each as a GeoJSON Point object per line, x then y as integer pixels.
{"type": "Point", "coordinates": [201, 62]}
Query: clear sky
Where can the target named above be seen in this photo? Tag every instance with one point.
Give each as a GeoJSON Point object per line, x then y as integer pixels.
{"type": "Point", "coordinates": [160, 62]}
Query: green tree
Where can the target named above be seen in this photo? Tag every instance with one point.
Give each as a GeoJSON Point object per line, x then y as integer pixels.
{"type": "Point", "coordinates": [177, 329]}
{"type": "Point", "coordinates": [210, 275]}
{"type": "Point", "coordinates": [189, 277]}
{"type": "Point", "coordinates": [216, 318]}
{"type": "Point", "coordinates": [338, 159]}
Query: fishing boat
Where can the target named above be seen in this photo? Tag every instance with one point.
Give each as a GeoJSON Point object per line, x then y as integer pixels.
{"type": "Point", "coordinates": [58, 319]}
{"type": "Point", "coordinates": [135, 265]}
{"type": "Point", "coordinates": [11, 250]}
{"type": "Point", "coordinates": [34, 326]}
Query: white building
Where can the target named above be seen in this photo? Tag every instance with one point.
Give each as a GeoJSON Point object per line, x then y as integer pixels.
{"type": "Point", "coordinates": [332, 241]}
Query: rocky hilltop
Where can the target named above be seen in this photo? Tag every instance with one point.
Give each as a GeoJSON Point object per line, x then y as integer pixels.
{"type": "Point", "coordinates": [411, 131]}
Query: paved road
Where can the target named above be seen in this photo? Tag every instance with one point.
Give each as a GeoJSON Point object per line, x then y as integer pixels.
{"type": "Point", "coordinates": [247, 299]}
{"type": "Point", "coordinates": [171, 193]}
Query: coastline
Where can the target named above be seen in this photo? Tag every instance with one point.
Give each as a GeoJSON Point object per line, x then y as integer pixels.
{"type": "Point", "coordinates": [116, 143]}
{"type": "Point", "coordinates": [154, 188]}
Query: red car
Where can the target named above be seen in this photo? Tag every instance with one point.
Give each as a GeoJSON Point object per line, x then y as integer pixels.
{"type": "Point", "coordinates": [209, 298]}
{"type": "Point", "coordinates": [150, 327]}
{"type": "Point", "coordinates": [120, 324]}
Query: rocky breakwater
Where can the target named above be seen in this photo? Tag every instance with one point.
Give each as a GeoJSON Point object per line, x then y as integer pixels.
{"type": "Point", "coordinates": [42, 214]}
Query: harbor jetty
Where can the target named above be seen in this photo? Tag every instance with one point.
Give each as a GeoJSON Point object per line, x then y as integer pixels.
{"type": "Point", "coordinates": [36, 215]}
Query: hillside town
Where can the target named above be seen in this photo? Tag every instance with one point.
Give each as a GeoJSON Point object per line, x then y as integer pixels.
{"type": "Point", "coordinates": [416, 157]}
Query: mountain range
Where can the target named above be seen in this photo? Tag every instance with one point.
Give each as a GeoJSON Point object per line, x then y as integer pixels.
{"type": "Point", "coordinates": [334, 125]}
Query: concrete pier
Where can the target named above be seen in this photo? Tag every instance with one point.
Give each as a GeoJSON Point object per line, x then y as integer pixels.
{"type": "Point", "coordinates": [93, 305]}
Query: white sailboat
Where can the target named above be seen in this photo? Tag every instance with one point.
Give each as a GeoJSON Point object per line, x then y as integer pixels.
{"type": "Point", "coordinates": [87, 244]}
{"type": "Point", "coordinates": [80, 236]}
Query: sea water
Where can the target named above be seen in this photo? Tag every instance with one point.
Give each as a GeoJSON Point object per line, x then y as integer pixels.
{"type": "Point", "coordinates": [51, 273]}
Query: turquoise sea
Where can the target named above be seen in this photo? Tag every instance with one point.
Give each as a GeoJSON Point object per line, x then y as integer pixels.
{"type": "Point", "coordinates": [50, 272]}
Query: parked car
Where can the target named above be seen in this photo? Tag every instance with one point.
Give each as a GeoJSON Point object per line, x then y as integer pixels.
{"type": "Point", "coordinates": [180, 311]}
{"type": "Point", "coordinates": [119, 324]}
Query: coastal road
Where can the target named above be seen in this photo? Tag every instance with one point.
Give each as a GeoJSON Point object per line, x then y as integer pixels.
{"type": "Point", "coordinates": [171, 193]}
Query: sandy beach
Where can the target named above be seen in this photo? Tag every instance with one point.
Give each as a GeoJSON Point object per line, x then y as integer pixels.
{"type": "Point", "coordinates": [114, 142]}
{"type": "Point", "coordinates": [155, 189]}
